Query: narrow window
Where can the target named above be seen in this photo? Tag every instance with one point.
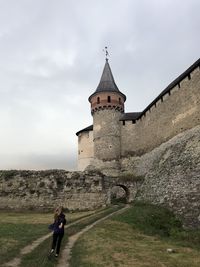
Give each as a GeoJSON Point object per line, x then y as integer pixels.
{"type": "Point", "coordinates": [109, 99]}
{"type": "Point", "coordinates": [119, 100]}
{"type": "Point", "coordinates": [123, 122]}
{"type": "Point", "coordinates": [98, 100]}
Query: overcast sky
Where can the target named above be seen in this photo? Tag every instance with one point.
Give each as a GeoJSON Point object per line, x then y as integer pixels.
{"type": "Point", "coordinates": [51, 61]}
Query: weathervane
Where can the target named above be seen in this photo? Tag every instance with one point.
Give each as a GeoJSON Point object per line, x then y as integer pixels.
{"type": "Point", "coordinates": [106, 52]}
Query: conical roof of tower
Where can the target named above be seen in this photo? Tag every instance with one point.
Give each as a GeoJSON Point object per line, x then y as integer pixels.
{"type": "Point", "coordinates": [107, 82]}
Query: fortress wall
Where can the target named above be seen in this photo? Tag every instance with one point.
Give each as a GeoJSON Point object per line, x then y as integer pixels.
{"type": "Point", "coordinates": [106, 132]}
{"type": "Point", "coordinates": [85, 149]}
{"type": "Point", "coordinates": [177, 111]}
{"type": "Point", "coordinates": [172, 175]}
{"type": "Point", "coordinates": [44, 190]}
{"type": "Point", "coordinates": [129, 137]}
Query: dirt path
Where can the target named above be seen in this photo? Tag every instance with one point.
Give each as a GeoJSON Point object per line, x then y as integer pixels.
{"type": "Point", "coordinates": [29, 248]}
{"type": "Point", "coordinates": [66, 252]}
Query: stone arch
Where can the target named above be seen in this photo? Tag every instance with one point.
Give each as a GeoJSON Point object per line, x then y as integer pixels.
{"type": "Point", "coordinates": [119, 193]}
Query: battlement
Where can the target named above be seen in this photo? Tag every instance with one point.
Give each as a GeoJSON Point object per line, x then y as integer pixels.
{"type": "Point", "coordinates": [107, 100]}
{"type": "Point", "coordinates": [175, 110]}
{"type": "Point", "coordinates": [169, 90]}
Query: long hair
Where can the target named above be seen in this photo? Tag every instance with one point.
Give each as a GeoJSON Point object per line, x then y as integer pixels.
{"type": "Point", "coordinates": [57, 212]}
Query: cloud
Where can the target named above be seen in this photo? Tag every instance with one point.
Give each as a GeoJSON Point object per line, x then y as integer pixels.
{"type": "Point", "coordinates": [52, 60]}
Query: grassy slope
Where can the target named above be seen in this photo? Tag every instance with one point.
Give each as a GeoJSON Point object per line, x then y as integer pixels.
{"type": "Point", "coordinates": [140, 237]}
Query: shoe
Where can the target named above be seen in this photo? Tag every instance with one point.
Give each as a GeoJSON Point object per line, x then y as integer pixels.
{"type": "Point", "coordinates": [56, 255]}
{"type": "Point", "coordinates": [50, 254]}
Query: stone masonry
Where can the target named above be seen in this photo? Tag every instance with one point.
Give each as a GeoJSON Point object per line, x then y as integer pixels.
{"type": "Point", "coordinates": [161, 143]}
{"type": "Point", "coordinates": [153, 155]}
{"type": "Point", "coordinates": [43, 190]}
{"type": "Point", "coordinates": [172, 175]}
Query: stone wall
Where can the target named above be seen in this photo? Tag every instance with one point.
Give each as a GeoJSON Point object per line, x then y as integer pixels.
{"type": "Point", "coordinates": [85, 149]}
{"type": "Point", "coordinates": [176, 112]}
{"type": "Point", "coordinates": [172, 175]}
{"type": "Point", "coordinates": [46, 189]}
{"type": "Point", "coordinates": [106, 132]}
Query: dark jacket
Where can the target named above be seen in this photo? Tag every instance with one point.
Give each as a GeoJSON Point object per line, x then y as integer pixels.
{"type": "Point", "coordinates": [57, 222]}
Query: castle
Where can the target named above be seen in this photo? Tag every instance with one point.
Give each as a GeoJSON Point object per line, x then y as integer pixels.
{"type": "Point", "coordinates": [153, 155]}
{"type": "Point", "coordinates": [115, 134]}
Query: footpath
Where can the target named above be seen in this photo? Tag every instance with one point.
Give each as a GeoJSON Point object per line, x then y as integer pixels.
{"type": "Point", "coordinates": [66, 252]}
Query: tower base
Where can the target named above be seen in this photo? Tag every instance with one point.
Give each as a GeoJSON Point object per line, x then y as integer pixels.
{"type": "Point", "coordinates": [109, 167]}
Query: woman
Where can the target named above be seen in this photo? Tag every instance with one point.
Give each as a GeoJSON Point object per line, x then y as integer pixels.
{"type": "Point", "coordinates": [58, 230]}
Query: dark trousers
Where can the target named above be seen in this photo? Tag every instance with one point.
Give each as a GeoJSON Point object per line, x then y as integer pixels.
{"type": "Point", "coordinates": [57, 238]}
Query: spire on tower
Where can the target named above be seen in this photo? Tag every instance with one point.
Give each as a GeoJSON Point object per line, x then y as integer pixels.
{"type": "Point", "coordinates": [106, 52]}
{"type": "Point", "coordinates": [107, 82]}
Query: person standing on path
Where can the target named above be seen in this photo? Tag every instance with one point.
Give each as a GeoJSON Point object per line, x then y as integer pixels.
{"type": "Point", "coordinates": [58, 230]}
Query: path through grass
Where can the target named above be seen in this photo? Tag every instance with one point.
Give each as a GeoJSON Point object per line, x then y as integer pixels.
{"type": "Point", "coordinates": [139, 237]}
{"type": "Point", "coordinates": [38, 257]}
{"type": "Point", "coordinates": [19, 229]}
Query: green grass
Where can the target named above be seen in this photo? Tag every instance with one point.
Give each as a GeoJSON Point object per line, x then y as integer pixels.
{"type": "Point", "coordinates": [151, 219]}
{"type": "Point", "coordinates": [20, 229]}
{"type": "Point", "coordinates": [156, 220]}
{"type": "Point", "coordinates": [38, 257]}
{"type": "Point", "coordinates": [15, 236]}
{"type": "Point", "coordinates": [139, 237]}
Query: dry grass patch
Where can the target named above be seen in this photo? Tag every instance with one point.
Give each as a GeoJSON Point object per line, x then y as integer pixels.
{"type": "Point", "coordinates": [37, 218]}
{"type": "Point", "coordinates": [25, 218]}
{"type": "Point", "coordinates": [7, 244]}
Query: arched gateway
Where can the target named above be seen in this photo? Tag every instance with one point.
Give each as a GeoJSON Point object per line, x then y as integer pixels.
{"type": "Point", "coordinates": [130, 188]}
{"type": "Point", "coordinates": [119, 193]}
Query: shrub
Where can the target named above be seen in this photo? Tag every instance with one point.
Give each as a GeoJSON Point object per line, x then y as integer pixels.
{"type": "Point", "coordinates": [131, 177]}
{"type": "Point", "coordinates": [152, 219]}
{"type": "Point", "coordinates": [9, 174]}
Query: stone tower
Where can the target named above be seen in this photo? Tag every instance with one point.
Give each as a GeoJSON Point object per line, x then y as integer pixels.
{"type": "Point", "coordinates": [107, 106]}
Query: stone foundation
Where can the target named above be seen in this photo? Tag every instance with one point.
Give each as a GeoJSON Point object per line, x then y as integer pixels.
{"type": "Point", "coordinates": [172, 175]}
